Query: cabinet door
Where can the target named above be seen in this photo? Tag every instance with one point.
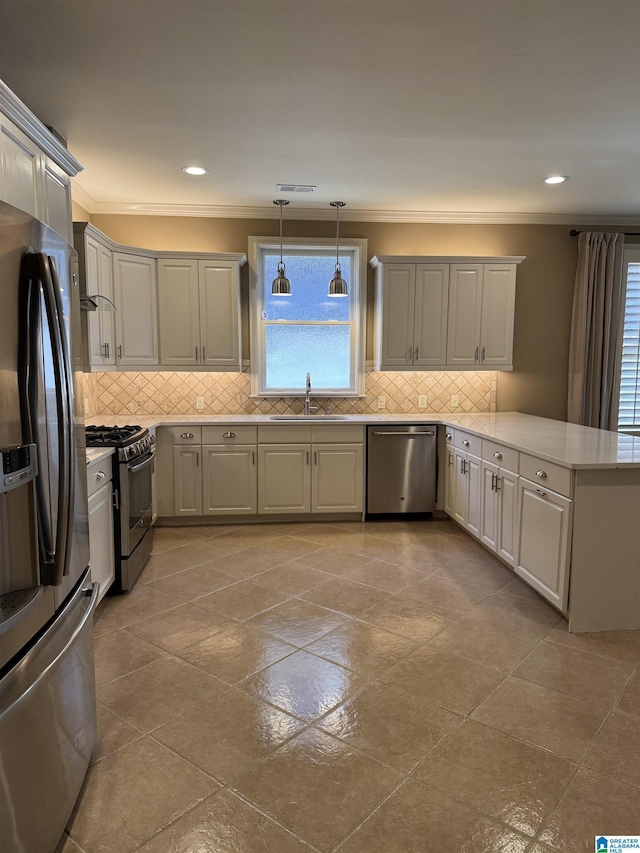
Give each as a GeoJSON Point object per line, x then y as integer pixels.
{"type": "Point", "coordinates": [508, 516]}
{"type": "Point", "coordinates": [460, 504]}
{"type": "Point", "coordinates": [229, 480]}
{"type": "Point", "coordinates": [474, 486]}
{"type": "Point", "coordinates": [284, 478]}
{"type": "Point", "coordinates": [20, 164]}
{"type": "Point", "coordinates": [490, 510]}
{"type": "Point", "coordinates": [187, 480]}
{"type": "Point", "coordinates": [57, 199]}
{"type": "Point", "coordinates": [93, 268]}
{"type": "Point", "coordinates": [543, 554]}
{"type": "Point", "coordinates": [220, 314]}
{"type": "Point", "coordinates": [107, 317]}
{"type": "Point", "coordinates": [337, 478]}
{"type": "Point", "coordinates": [135, 288]}
{"type": "Point", "coordinates": [178, 312]}
{"type": "Point", "coordinates": [430, 321]}
{"type": "Point", "coordinates": [398, 303]}
{"type": "Point", "coordinates": [101, 544]}
{"type": "Point", "coordinates": [498, 306]}
{"type": "Point", "coordinates": [465, 304]}
{"type": "Point", "coordinates": [449, 479]}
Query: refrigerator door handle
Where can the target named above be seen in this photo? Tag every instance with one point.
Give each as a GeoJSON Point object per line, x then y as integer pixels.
{"type": "Point", "coordinates": [68, 400]}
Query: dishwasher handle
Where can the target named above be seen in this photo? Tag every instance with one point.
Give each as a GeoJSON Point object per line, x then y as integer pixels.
{"type": "Point", "coordinates": [405, 434]}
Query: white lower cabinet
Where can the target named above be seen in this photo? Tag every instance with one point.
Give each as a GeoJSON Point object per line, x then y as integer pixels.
{"type": "Point", "coordinates": [284, 478]}
{"type": "Point", "coordinates": [229, 480]}
{"type": "Point", "coordinates": [544, 541]}
{"type": "Point", "coordinates": [101, 541]}
{"type": "Point", "coordinates": [337, 483]}
{"type": "Point", "coordinates": [467, 500]}
{"type": "Point", "coordinates": [499, 518]}
{"type": "Point", "coordinates": [187, 480]}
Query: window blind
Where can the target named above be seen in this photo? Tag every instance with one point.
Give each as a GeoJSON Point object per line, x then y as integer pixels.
{"type": "Point", "coordinates": [629, 410]}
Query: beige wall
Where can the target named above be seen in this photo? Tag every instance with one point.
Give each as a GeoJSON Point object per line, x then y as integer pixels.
{"type": "Point", "coordinates": [538, 383]}
{"type": "Point", "coordinates": [79, 213]}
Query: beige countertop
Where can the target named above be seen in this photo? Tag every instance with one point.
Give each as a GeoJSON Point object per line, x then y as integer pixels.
{"type": "Point", "coordinates": [566, 444]}
{"type": "Point", "coordinates": [97, 454]}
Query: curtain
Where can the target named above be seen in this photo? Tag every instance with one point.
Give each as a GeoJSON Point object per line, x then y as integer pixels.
{"type": "Point", "coordinates": [595, 327]}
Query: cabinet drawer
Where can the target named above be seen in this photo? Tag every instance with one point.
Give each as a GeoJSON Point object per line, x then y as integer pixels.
{"type": "Point", "coordinates": [467, 441]}
{"type": "Point", "coordinates": [547, 474]}
{"type": "Point", "coordinates": [226, 434]}
{"type": "Point", "coordinates": [505, 457]}
{"type": "Point", "coordinates": [98, 475]}
{"type": "Point", "coordinates": [284, 434]}
{"type": "Point", "coordinates": [187, 435]}
{"type": "Point", "coordinates": [338, 433]}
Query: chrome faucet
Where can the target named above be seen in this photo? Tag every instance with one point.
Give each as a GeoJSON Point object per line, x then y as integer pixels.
{"type": "Point", "coordinates": [308, 408]}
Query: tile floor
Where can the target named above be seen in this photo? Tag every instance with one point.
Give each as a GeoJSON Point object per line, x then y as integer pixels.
{"type": "Point", "coordinates": [362, 688]}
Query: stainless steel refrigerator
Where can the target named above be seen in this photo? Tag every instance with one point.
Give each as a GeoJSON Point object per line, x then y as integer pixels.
{"type": "Point", "coordinates": [47, 689]}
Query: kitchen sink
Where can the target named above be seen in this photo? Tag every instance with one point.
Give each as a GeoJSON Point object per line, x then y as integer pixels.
{"type": "Point", "coordinates": [316, 418]}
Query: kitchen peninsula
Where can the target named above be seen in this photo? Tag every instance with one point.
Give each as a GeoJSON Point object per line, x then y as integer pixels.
{"type": "Point", "coordinates": [578, 487]}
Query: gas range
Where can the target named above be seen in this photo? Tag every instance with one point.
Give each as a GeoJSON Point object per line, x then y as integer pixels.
{"type": "Point", "coordinates": [131, 442]}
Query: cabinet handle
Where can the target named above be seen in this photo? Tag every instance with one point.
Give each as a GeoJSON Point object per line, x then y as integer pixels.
{"type": "Point", "coordinates": [253, 457]}
{"type": "Point", "coordinates": [483, 351]}
{"type": "Point", "coordinates": [108, 349]}
{"type": "Point", "coordinates": [450, 458]}
{"type": "Point", "coordinates": [410, 358]}
{"type": "Point", "coordinates": [186, 435]}
{"type": "Point", "coordinates": [115, 499]}
{"type": "Point", "coordinates": [475, 358]}
{"type": "Point", "coordinates": [307, 457]}
{"type": "Point", "coordinates": [119, 350]}
{"type": "Point", "coordinates": [101, 475]}
{"type": "Point", "coordinates": [462, 466]}
{"type": "Point", "coordinates": [315, 457]}
{"type": "Point", "coordinates": [228, 435]}
{"type": "Point", "coordinates": [498, 486]}
{"type": "Point", "coordinates": [415, 355]}
{"type": "Point", "coordinates": [449, 436]}
{"type": "Point", "coordinates": [540, 492]}
{"type": "Point", "coordinates": [542, 474]}
{"type": "Point", "coordinates": [197, 458]}
{"type": "Point", "coordinates": [497, 455]}
{"type": "Point", "coordinates": [465, 442]}
{"type": "Point", "coordinates": [203, 356]}
{"type": "Point", "coordinates": [196, 355]}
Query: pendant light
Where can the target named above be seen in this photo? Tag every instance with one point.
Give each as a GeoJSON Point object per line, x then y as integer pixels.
{"type": "Point", "coordinates": [281, 286]}
{"type": "Point", "coordinates": [337, 285]}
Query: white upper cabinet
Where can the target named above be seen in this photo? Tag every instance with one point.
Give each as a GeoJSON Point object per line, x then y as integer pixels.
{"type": "Point", "coordinates": [465, 305]}
{"type": "Point", "coordinates": [178, 312]}
{"type": "Point", "coordinates": [444, 312]}
{"type": "Point", "coordinates": [220, 314]}
{"type": "Point", "coordinates": [135, 290]}
{"type": "Point", "coordinates": [35, 167]}
{"type": "Point", "coordinates": [199, 313]}
{"type": "Point", "coordinates": [95, 266]}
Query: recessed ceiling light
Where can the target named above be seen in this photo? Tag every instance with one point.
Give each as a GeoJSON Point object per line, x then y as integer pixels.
{"type": "Point", "coordinates": [556, 179]}
{"type": "Point", "coordinates": [194, 170]}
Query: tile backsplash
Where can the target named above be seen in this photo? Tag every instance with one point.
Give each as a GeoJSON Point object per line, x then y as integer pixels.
{"type": "Point", "coordinates": [134, 393]}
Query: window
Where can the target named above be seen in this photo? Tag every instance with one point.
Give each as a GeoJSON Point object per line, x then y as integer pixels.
{"type": "Point", "coordinates": [629, 404]}
{"type": "Point", "coordinates": [307, 332]}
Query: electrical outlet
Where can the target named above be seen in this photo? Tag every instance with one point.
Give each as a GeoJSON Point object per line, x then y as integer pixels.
{"type": "Point", "coordinates": [200, 403]}
{"type": "Point", "coordinates": [455, 402]}
{"type": "Point", "coordinates": [422, 401]}
{"type": "Point", "coordinates": [382, 402]}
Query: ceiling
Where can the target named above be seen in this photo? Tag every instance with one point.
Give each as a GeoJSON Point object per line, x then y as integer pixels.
{"type": "Point", "coordinates": [433, 110]}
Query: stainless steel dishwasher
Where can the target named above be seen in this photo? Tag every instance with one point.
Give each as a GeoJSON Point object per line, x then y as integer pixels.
{"type": "Point", "coordinates": [401, 469]}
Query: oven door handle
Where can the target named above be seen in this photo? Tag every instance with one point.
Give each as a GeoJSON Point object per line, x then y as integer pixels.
{"type": "Point", "coordinates": [134, 468]}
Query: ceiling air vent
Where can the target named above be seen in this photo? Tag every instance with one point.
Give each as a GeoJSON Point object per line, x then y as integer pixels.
{"type": "Point", "coordinates": [295, 188]}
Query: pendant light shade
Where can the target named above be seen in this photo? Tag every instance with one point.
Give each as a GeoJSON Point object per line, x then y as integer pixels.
{"type": "Point", "coordinates": [281, 286]}
{"type": "Point", "coordinates": [337, 285]}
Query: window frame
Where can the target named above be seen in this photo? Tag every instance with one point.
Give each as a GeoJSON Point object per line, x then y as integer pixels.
{"type": "Point", "coordinates": [357, 294]}
{"type": "Point", "coordinates": [631, 255]}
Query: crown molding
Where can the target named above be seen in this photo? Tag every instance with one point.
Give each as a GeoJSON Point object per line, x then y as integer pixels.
{"type": "Point", "coordinates": [352, 214]}
{"type": "Point", "coordinates": [82, 197]}
{"type": "Point", "coordinates": [18, 112]}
